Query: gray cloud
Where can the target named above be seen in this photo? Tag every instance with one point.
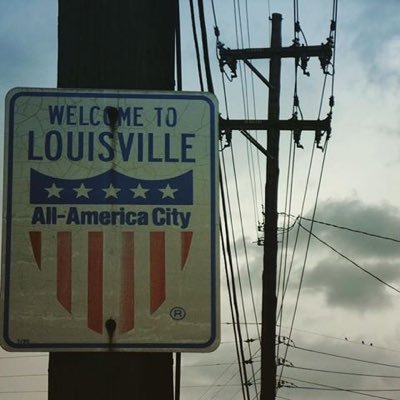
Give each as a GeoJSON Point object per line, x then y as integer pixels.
{"type": "Point", "coordinates": [346, 286]}
{"type": "Point", "coordinates": [384, 24]}
{"type": "Point", "coordinates": [382, 220]}
{"type": "Point", "coordinates": [342, 284]}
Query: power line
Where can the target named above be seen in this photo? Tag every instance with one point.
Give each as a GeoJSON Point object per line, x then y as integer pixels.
{"type": "Point", "coordinates": [227, 207]}
{"type": "Point", "coordinates": [345, 373]}
{"type": "Point", "coordinates": [210, 85]}
{"type": "Point", "coordinates": [329, 387]}
{"type": "Point", "coordinates": [247, 267]}
{"type": "Point", "coordinates": [344, 357]}
{"type": "Point", "coordinates": [236, 324]}
{"type": "Point", "coordinates": [350, 260]}
{"type": "Point", "coordinates": [234, 305]}
{"type": "Point", "coordinates": [307, 251]}
{"type": "Point", "coordinates": [196, 45]}
{"type": "Point", "coordinates": [346, 228]}
{"type": "Point", "coordinates": [343, 339]}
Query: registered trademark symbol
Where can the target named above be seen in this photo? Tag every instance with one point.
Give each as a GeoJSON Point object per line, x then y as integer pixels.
{"type": "Point", "coordinates": [177, 313]}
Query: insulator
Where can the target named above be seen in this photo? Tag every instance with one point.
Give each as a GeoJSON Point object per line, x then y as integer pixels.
{"type": "Point", "coordinates": [304, 64]}
{"type": "Point", "coordinates": [318, 136]}
{"type": "Point", "coordinates": [297, 137]}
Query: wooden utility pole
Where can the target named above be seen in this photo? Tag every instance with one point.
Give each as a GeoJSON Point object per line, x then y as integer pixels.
{"type": "Point", "coordinates": [124, 44]}
{"type": "Point", "coordinates": [273, 125]}
{"type": "Point", "coordinates": [268, 363]}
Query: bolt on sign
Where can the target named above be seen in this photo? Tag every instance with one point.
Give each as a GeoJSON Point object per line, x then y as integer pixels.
{"type": "Point", "coordinates": [110, 220]}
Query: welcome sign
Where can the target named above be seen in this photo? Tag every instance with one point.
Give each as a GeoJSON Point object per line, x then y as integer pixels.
{"type": "Point", "coordinates": [110, 220]}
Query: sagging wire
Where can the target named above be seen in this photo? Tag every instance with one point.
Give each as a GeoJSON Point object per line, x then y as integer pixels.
{"type": "Point", "coordinates": [245, 247]}
{"type": "Point", "coordinates": [228, 136]}
{"type": "Point", "coordinates": [232, 63]}
{"type": "Point", "coordinates": [349, 259]}
{"type": "Point", "coordinates": [318, 135]}
{"type": "Point", "coordinates": [235, 249]}
{"type": "Point", "coordinates": [283, 275]}
{"type": "Point", "coordinates": [227, 251]}
{"type": "Point", "coordinates": [235, 306]}
{"type": "Point", "coordinates": [307, 250]}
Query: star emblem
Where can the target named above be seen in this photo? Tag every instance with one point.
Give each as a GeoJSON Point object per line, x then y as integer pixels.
{"type": "Point", "coordinates": [82, 191]}
{"type": "Point", "coordinates": [54, 191]}
{"type": "Point", "coordinates": [168, 192]}
{"type": "Point", "coordinates": [139, 191]}
{"type": "Point", "coordinates": [111, 191]}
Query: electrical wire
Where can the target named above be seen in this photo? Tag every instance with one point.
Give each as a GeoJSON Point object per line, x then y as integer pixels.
{"type": "Point", "coordinates": [282, 277]}
{"type": "Point", "coordinates": [255, 162]}
{"type": "Point", "coordinates": [196, 45]}
{"type": "Point", "coordinates": [280, 311]}
{"type": "Point", "coordinates": [238, 275]}
{"type": "Point", "coordinates": [343, 357]}
{"type": "Point", "coordinates": [289, 180]}
{"type": "Point", "coordinates": [210, 86]}
{"type": "Point", "coordinates": [345, 373]}
{"type": "Point", "coordinates": [307, 250]}
{"type": "Point", "coordinates": [350, 260]}
{"type": "Point", "coordinates": [297, 29]}
{"type": "Point", "coordinates": [233, 285]}
{"type": "Point", "coordinates": [246, 264]}
{"type": "Point", "coordinates": [235, 324]}
{"type": "Point", "coordinates": [332, 37]}
{"type": "Point", "coordinates": [329, 387]}
{"type": "Point", "coordinates": [347, 340]}
{"type": "Point", "coordinates": [242, 368]}
{"type": "Point", "coordinates": [246, 107]}
{"type": "Point", "coordinates": [346, 228]}
{"type": "Point", "coordinates": [178, 48]}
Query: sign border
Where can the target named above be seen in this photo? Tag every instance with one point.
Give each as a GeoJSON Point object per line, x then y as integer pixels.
{"type": "Point", "coordinates": [11, 98]}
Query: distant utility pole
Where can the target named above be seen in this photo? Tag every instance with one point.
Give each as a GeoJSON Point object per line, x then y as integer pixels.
{"type": "Point", "coordinates": [124, 44]}
{"type": "Point", "coordinates": [273, 125]}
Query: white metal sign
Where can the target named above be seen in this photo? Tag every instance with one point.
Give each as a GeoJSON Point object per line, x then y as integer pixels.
{"type": "Point", "coordinates": [110, 221]}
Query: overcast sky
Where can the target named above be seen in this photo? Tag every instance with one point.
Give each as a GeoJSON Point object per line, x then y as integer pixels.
{"type": "Point", "coordinates": [342, 309]}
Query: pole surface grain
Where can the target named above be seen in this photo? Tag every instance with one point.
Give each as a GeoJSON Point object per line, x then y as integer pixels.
{"type": "Point", "coordinates": [123, 44]}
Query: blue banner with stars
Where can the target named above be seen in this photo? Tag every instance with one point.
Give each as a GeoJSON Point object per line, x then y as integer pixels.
{"type": "Point", "coordinates": [111, 187]}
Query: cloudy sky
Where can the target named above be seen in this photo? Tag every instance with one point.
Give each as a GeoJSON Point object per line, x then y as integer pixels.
{"type": "Point", "coordinates": [349, 301]}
